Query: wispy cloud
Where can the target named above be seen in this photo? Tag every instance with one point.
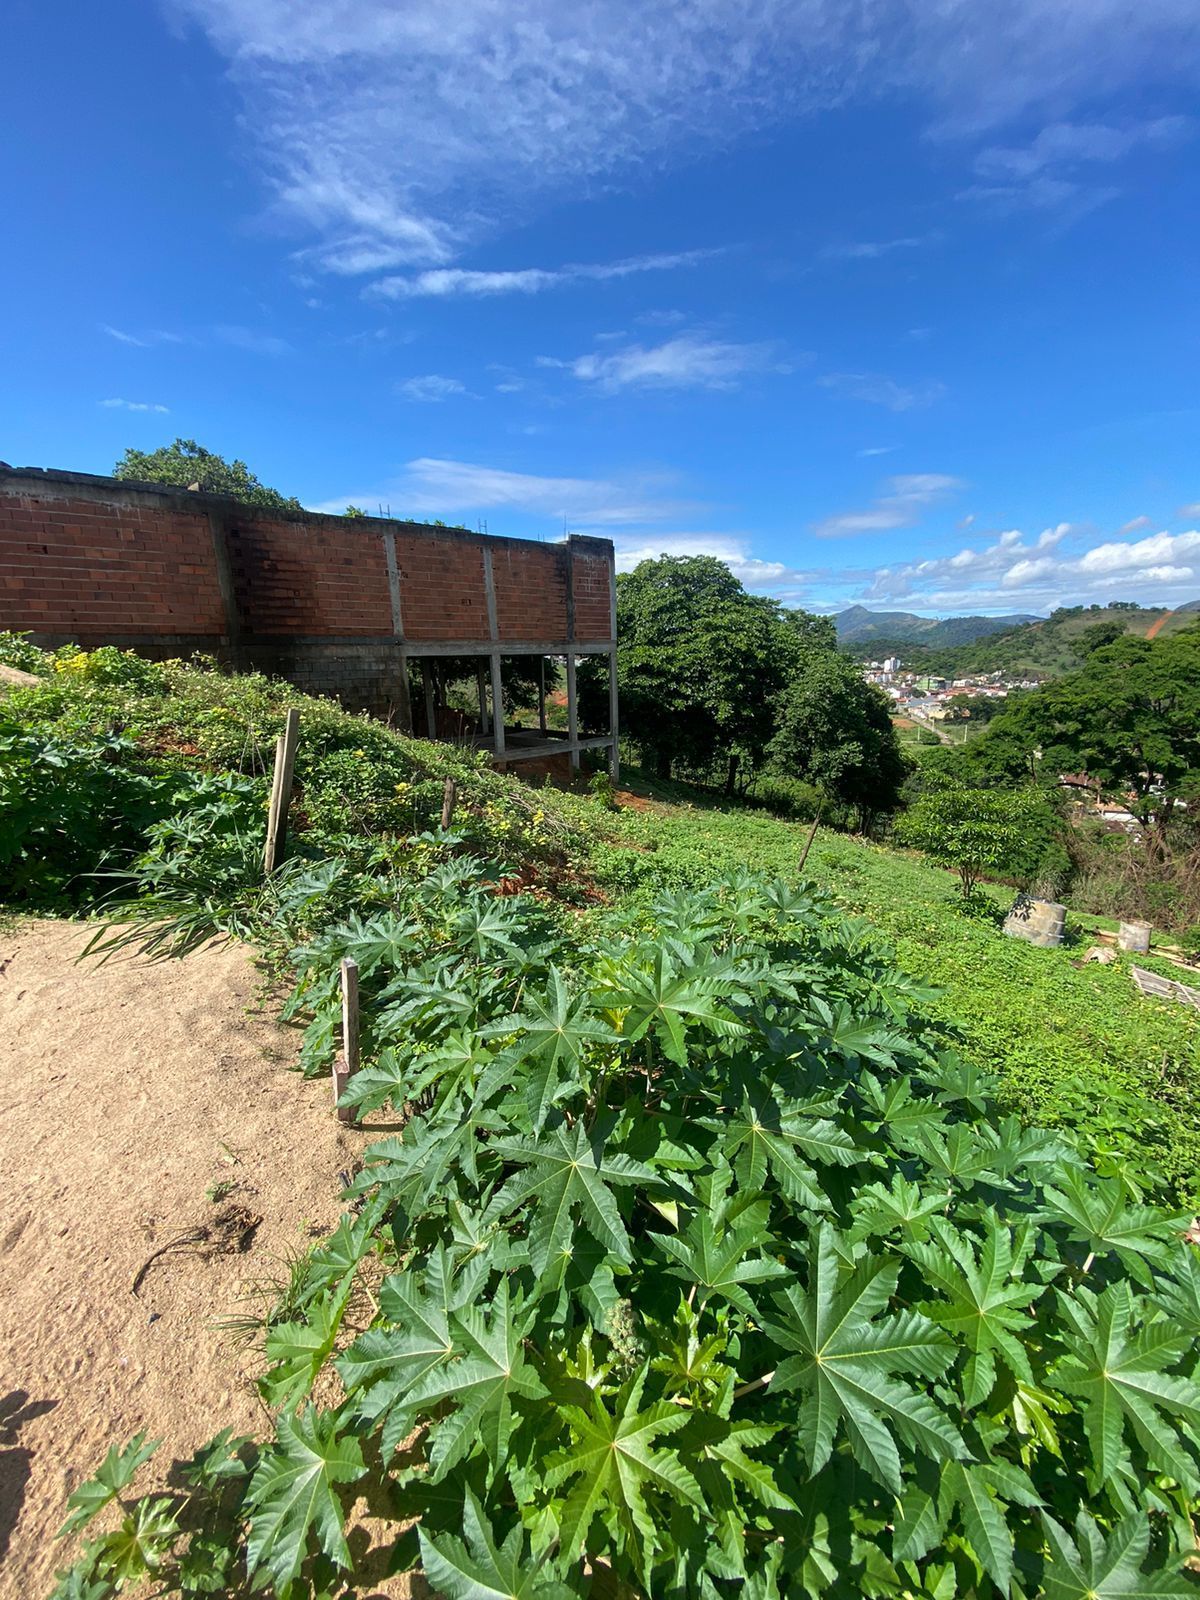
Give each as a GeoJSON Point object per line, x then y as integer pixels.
{"type": "Point", "coordinates": [400, 133]}
{"type": "Point", "coordinates": [905, 500]}
{"type": "Point", "coordinates": [252, 340]}
{"type": "Point", "coordinates": [135, 405]}
{"type": "Point", "coordinates": [872, 249]}
{"type": "Point", "coordinates": [1053, 172]}
{"type": "Point", "coordinates": [1135, 525]}
{"type": "Point", "coordinates": [432, 386]}
{"type": "Point", "coordinates": [879, 390]}
{"type": "Point", "coordinates": [460, 282]}
{"type": "Point", "coordinates": [877, 450]}
{"type": "Point", "coordinates": [434, 486]}
{"type": "Point", "coordinates": [690, 361]}
{"type": "Point", "coordinates": [143, 340]}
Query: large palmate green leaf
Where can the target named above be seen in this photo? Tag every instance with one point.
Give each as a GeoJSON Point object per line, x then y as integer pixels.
{"type": "Point", "coordinates": [720, 1262]}
{"type": "Point", "coordinates": [293, 1494]}
{"type": "Point", "coordinates": [384, 1366]}
{"type": "Point", "coordinates": [1100, 1215]}
{"type": "Point", "coordinates": [614, 1464]}
{"type": "Point", "coordinates": [985, 1299]}
{"type": "Point", "coordinates": [482, 1569]}
{"type": "Point", "coordinates": [673, 992]}
{"type": "Point", "coordinates": [1118, 1368]}
{"type": "Point", "coordinates": [1093, 1566]}
{"type": "Point", "coordinates": [765, 1135]}
{"type": "Point", "coordinates": [489, 1371]}
{"type": "Point", "coordinates": [845, 1361]}
{"type": "Point", "coordinates": [115, 1473]}
{"type": "Point", "coordinates": [567, 1175]}
{"type": "Point", "coordinates": [553, 1031]}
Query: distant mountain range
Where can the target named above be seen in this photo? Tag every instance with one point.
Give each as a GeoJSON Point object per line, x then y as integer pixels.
{"type": "Point", "coordinates": [858, 626]}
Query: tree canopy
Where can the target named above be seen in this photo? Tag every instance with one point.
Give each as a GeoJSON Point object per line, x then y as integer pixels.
{"type": "Point", "coordinates": [185, 463]}
{"type": "Point", "coordinates": [835, 729]}
{"type": "Point", "coordinates": [1129, 719]}
{"type": "Point", "coordinates": [700, 663]}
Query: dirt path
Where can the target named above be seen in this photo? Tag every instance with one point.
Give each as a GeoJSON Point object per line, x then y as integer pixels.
{"type": "Point", "coordinates": [126, 1092]}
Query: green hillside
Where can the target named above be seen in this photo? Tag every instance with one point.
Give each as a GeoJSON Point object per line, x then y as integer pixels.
{"type": "Point", "coordinates": [858, 627]}
{"type": "Point", "coordinates": [686, 1179]}
{"type": "Point", "coordinates": [1043, 649]}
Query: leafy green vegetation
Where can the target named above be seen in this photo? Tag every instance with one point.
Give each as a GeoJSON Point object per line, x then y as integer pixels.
{"type": "Point", "coordinates": [709, 1257]}
{"type": "Point", "coordinates": [724, 686]}
{"type": "Point", "coordinates": [706, 1264]}
{"type": "Point", "coordinates": [1040, 649]}
{"type": "Point", "coordinates": [186, 464]}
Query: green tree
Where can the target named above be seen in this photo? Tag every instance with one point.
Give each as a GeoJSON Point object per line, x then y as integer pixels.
{"type": "Point", "coordinates": [1129, 719]}
{"type": "Point", "coordinates": [835, 730]}
{"type": "Point", "coordinates": [700, 664]}
{"type": "Point", "coordinates": [185, 463]}
{"type": "Point", "coordinates": [971, 830]}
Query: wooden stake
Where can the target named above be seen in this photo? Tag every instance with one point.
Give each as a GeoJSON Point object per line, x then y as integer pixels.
{"type": "Point", "coordinates": [449, 799]}
{"type": "Point", "coordinates": [281, 790]}
{"type": "Point", "coordinates": [346, 1062]}
{"type": "Point", "coordinates": [812, 834]}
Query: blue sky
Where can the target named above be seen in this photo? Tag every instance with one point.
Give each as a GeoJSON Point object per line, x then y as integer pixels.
{"type": "Point", "coordinates": [892, 303]}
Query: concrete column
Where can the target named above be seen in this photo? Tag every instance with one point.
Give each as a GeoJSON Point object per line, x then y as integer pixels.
{"type": "Point", "coordinates": [481, 683]}
{"type": "Point", "coordinates": [572, 714]}
{"type": "Point", "coordinates": [542, 694]}
{"type": "Point", "coordinates": [430, 702]}
{"type": "Point", "coordinates": [614, 756]}
{"type": "Point", "coordinates": [497, 705]}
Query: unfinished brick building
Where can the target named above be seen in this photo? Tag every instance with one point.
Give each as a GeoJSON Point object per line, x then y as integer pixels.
{"type": "Point", "coordinates": [337, 605]}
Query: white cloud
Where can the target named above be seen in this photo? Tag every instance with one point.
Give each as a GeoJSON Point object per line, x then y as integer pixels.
{"type": "Point", "coordinates": [1048, 173]}
{"type": "Point", "coordinates": [1070, 144]}
{"type": "Point", "coordinates": [444, 282]}
{"type": "Point", "coordinates": [143, 341]}
{"type": "Point", "coordinates": [761, 576]}
{"type": "Point", "coordinates": [878, 390]}
{"type": "Point", "coordinates": [902, 504]}
{"type": "Point", "coordinates": [400, 132]}
{"type": "Point", "coordinates": [435, 486]}
{"type": "Point", "coordinates": [872, 249]}
{"type": "Point", "coordinates": [431, 386]}
{"type": "Point", "coordinates": [877, 450]}
{"type": "Point", "coordinates": [690, 361]}
{"type": "Point", "coordinates": [1036, 576]}
{"type": "Point", "coordinates": [259, 344]}
{"type": "Point", "coordinates": [1187, 512]}
{"type": "Point", "coordinates": [1135, 525]}
{"type": "Point", "coordinates": [135, 405]}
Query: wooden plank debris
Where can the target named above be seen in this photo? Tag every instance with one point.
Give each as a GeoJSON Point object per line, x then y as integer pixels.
{"type": "Point", "coordinates": [346, 1061]}
{"type": "Point", "coordinates": [281, 789]}
{"type": "Point", "coordinates": [1160, 988]}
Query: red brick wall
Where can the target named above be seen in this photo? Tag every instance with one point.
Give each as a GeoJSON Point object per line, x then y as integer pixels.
{"type": "Point", "coordinates": [90, 559]}
{"type": "Point", "coordinates": [441, 587]}
{"type": "Point", "coordinates": [590, 581]}
{"type": "Point", "coordinates": [296, 578]}
{"type": "Point", "coordinates": [531, 592]}
{"type": "Point", "coordinates": [90, 569]}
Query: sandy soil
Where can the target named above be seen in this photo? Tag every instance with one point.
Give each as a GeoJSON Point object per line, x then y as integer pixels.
{"type": "Point", "coordinates": [126, 1092]}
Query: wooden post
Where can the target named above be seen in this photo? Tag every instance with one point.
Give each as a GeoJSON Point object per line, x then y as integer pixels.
{"type": "Point", "coordinates": [346, 1062]}
{"type": "Point", "coordinates": [812, 834]}
{"type": "Point", "coordinates": [542, 694]}
{"type": "Point", "coordinates": [481, 681]}
{"type": "Point", "coordinates": [448, 800]}
{"type": "Point", "coordinates": [430, 702]}
{"type": "Point", "coordinates": [281, 790]}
